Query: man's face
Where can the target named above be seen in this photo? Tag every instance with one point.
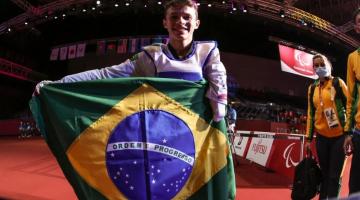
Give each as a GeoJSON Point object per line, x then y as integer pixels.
{"type": "Point", "coordinates": [180, 22]}
{"type": "Point", "coordinates": [357, 24]}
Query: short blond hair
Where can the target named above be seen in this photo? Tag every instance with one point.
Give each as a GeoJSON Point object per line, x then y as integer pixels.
{"type": "Point", "coordinates": [176, 3]}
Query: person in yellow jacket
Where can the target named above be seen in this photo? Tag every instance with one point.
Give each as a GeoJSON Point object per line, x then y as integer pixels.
{"type": "Point", "coordinates": [326, 118]}
{"type": "Point", "coordinates": [352, 128]}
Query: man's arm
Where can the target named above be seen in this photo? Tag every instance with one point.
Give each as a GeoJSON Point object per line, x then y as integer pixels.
{"type": "Point", "coordinates": [350, 107]}
{"type": "Point", "coordinates": [138, 65]}
{"type": "Point", "coordinates": [352, 92]}
{"type": "Point", "coordinates": [215, 73]}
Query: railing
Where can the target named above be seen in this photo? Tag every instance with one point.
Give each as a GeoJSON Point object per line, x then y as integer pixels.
{"type": "Point", "coordinates": [17, 71]}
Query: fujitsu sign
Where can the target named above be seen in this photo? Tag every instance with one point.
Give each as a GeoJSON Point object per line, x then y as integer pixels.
{"type": "Point", "coordinates": [259, 148]}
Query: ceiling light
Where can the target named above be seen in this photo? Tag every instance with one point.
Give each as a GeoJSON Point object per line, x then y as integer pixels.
{"type": "Point", "coordinates": [282, 13]}
{"type": "Point", "coordinates": [243, 8]}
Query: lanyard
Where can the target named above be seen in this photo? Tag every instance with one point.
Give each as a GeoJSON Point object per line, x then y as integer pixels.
{"type": "Point", "coordinates": [320, 97]}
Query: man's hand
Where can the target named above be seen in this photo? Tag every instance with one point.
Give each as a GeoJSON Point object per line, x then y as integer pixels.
{"type": "Point", "coordinates": [219, 110]}
{"type": "Point", "coordinates": [39, 86]}
{"type": "Point", "coordinates": [348, 145]}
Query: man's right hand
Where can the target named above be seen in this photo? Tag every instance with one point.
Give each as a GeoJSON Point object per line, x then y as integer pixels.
{"type": "Point", "coordinates": [219, 110]}
{"type": "Point", "coordinates": [39, 86]}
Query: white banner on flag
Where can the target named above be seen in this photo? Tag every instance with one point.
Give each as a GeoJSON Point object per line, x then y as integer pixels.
{"type": "Point", "coordinates": [80, 51]}
{"type": "Point", "coordinates": [54, 54]}
{"type": "Point", "coordinates": [63, 53]}
{"type": "Point", "coordinates": [72, 52]}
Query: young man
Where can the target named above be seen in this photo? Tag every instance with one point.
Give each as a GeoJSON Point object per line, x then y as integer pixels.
{"type": "Point", "coordinates": [181, 58]}
{"type": "Point", "coordinates": [352, 128]}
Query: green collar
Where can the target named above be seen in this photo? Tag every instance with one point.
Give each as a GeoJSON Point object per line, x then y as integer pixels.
{"type": "Point", "coordinates": [358, 50]}
{"type": "Point", "coordinates": [317, 81]}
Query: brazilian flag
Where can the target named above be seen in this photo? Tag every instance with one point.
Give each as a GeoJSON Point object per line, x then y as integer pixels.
{"type": "Point", "coordinates": [136, 138]}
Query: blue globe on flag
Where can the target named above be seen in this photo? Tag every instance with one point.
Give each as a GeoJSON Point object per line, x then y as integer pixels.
{"type": "Point", "coordinates": [150, 155]}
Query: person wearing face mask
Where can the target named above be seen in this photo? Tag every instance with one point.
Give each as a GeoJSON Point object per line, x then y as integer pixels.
{"type": "Point", "coordinates": [352, 128]}
{"type": "Point", "coordinates": [326, 118]}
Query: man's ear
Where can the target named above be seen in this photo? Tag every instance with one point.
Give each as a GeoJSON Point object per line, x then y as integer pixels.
{"type": "Point", "coordinates": [197, 24]}
{"type": "Point", "coordinates": [164, 24]}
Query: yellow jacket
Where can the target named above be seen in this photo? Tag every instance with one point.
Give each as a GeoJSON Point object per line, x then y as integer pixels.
{"type": "Point", "coordinates": [352, 80]}
{"type": "Point", "coordinates": [316, 119]}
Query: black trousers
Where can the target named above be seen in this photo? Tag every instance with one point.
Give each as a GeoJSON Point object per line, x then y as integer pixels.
{"type": "Point", "coordinates": [354, 182]}
{"type": "Point", "coordinates": [331, 159]}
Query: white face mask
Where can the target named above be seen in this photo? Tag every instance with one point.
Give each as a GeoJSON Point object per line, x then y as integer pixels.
{"type": "Point", "coordinates": [323, 72]}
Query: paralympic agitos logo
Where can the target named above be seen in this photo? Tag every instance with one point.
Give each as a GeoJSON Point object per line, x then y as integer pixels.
{"type": "Point", "coordinates": [287, 156]}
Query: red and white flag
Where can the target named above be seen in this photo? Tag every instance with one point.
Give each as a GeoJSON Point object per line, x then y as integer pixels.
{"type": "Point", "coordinates": [122, 46]}
{"type": "Point", "coordinates": [80, 51]}
{"type": "Point", "coordinates": [72, 52]}
{"type": "Point", "coordinates": [54, 54]}
{"type": "Point", "coordinates": [63, 53]}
